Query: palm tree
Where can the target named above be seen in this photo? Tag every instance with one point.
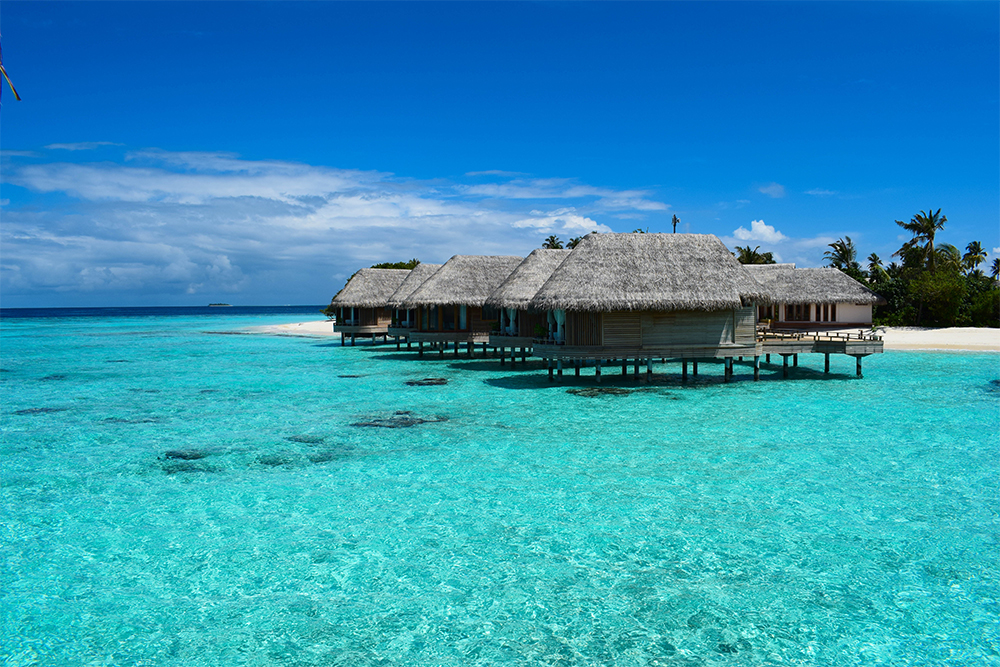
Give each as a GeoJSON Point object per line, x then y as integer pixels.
{"type": "Point", "coordinates": [842, 254]}
{"type": "Point", "coordinates": [640, 231]}
{"type": "Point", "coordinates": [948, 257]}
{"type": "Point", "coordinates": [751, 256]}
{"type": "Point", "coordinates": [995, 271]}
{"type": "Point", "coordinates": [974, 255]}
{"type": "Point", "coordinates": [875, 270]}
{"type": "Point", "coordinates": [923, 226]}
{"type": "Point", "coordinates": [552, 243]}
{"type": "Point", "coordinates": [573, 242]}
{"type": "Point", "coordinates": [676, 220]}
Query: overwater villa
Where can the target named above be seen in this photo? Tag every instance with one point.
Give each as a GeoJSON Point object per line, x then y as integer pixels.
{"type": "Point", "coordinates": [404, 320]}
{"type": "Point", "coordinates": [519, 325]}
{"type": "Point", "coordinates": [361, 307]}
{"type": "Point", "coordinates": [813, 298]}
{"type": "Point", "coordinates": [624, 299]}
{"type": "Point", "coordinates": [450, 304]}
{"type": "Point", "coordinates": [635, 297]}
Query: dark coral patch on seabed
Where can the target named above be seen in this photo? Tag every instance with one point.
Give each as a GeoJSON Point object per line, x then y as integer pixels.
{"type": "Point", "coordinates": [401, 419]}
{"type": "Point", "coordinates": [427, 382]}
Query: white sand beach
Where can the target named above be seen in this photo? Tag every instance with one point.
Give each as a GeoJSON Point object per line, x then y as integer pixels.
{"type": "Point", "coordinates": [896, 338]}
{"type": "Point", "coordinates": [952, 338]}
{"type": "Point", "coordinates": [314, 328]}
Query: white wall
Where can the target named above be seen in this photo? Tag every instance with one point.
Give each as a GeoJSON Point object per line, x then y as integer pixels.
{"type": "Point", "coordinates": [849, 312]}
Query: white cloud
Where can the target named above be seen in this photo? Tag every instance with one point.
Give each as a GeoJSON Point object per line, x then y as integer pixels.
{"type": "Point", "coordinates": [205, 223]}
{"type": "Point", "coordinates": [81, 146]}
{"type": "Point", "coordinates": [996, 251]}
{"type": "Point", "coordinates": [759, 232]}
{"type": "Point", "coordinates": [564, 220]}
{"type": "Point", "coordinates": [775, 190]}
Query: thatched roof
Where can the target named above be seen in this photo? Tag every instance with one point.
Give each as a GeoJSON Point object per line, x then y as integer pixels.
{"type": "Point", "coordinates": [464, 280]}
{"type": "Point", "coordinates": [790, 285]}
{"type": "Point", "coordinates": [418, 275]}
{"type": "Point", "coordinates": [369, 288]}
{"type": "Point", "coordinates": [521, 286]}
{"type": "Point", "coordinates": [608, 272]}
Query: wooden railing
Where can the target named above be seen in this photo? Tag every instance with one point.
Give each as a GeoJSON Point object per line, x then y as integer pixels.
{"type": "Point", "coordinates": [765, 334]}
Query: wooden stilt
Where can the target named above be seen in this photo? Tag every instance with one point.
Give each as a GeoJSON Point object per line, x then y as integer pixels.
{"type": "Point", "coordinates": [784, 365]}
{"type": "Point", "coordinates": [728, 373]}
{"type": "Point", "coordinates": [767, 358]}
{"type": "Point", "coordinates": [548, 362]}
{"type": "Point", "coordinates": [524, 355]}
{"type": "Point", "coordinates": [694, 368]}
{"type": "Point", "coordinates": [649, 368]}
{"type": "Point", "coordinates": [408, 344]}
{"type": "Point", "coordinates": [353, 341]}
{"type": "Point", "coordinates": [624, 367]}
{"type": "Point", "coordinates": [577, 367]}
{"type": "Point", "coordinates": [502, 354]}
{"type": "Point", "coordinates": [420, 349]}
{"type": "Point", "coordinates": [397, 343]}
{"type": "Point", "coordinates": [859, 365]}
{"type": "Point", "coordinates": [470, 347]}
{"type": "Point", "coordinates": [684, 371]}
{"type": "Point", "coordinates": [826, 363]}
{"type": "Point", "coordinates": [756, 368]}
{"type": "Point", "coordinates": [597, 370]}
{"type": "Point", "coordinates": [559, 367]}
{"type": "Point", "coordinates": [342, 341]}
{"type": "Point", "coordinates": [795, 360]}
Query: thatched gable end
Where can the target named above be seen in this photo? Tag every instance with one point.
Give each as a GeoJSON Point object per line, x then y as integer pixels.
{"type": "Point", "coordinates": [419, 274]}
{"type": "Point", "coordinates": [523, 283]}
{"type": "Point", "coordinates": [790, 285]}
{"type": "Point", "coordinates": [659, 272]}
{"type": "Point", "coordinates": [464, 280]}
{"type": "Point", "coordinates": [370, 288]}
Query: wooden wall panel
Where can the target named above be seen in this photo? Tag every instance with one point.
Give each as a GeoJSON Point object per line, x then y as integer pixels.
{"type": "Point", "coordinates": [526, 322]}
{"type": "Point", "coordinates": [688, 327]}
{"type": "Point", "coordinates": [746, 326]}
{"type": "Point", "coordinates": [622, 329]}
{"type": "Point", "coordinates": [583, 328]}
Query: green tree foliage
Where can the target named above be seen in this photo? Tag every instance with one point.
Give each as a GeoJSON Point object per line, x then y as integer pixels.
{"type": "Point", "coordinates": [553, 243]}
{"type": "Point", "coordinates": [844, 256]}
{"type": "Point", "coordinates": [924, 226]}
{"type": "Point", "coordinates": [974, 256]}
{"type": "Point", "coordinates": [397, 265]}
{"type": "Point", "coordinates": [995, 268]}
{"type": "Point", "coordinates": [752, 256]}
{"type": "Point", "coordinates": [676, 221]}
{"type": "Point", "coordinates": [573, 242]}
{"type": "Point", "coordinates": [935, 284]}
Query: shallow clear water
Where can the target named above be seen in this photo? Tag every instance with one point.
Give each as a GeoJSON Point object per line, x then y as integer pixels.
{"type": "Point", "coordinates": [816, 520]}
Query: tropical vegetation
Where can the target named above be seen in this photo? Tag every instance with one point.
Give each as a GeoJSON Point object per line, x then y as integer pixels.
{"type": "Point", "coordinates": [932, 284]}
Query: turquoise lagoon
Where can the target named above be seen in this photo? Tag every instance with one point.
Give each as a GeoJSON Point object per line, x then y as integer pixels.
{"type": "Point", "coordinates": [173, 495]}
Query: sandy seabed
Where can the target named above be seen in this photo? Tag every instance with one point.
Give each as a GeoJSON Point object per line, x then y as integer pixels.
{"type": "Point", "coordinates": [896, 338]}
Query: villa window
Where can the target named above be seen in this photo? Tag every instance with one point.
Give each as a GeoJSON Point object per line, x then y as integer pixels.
{"type": "Point", "coordinates": [448, 318]}
{"type": "Point", "coordinates": [797, 312]}
{"type": "Point", "coordinates": [490, 313]}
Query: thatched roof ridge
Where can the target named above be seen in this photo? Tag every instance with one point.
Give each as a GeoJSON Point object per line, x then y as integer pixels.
{"type": "Point", "coordinates": [609, 272]}
{"type": "Point", "coordinates": [524, 282]}
{"type": "Point", "coordinates": [418, 275]}
{"type": "Point", "coordinates": [464, 280]}
{"type": "Point", "coordinates": [791, 285]}
{"type": "Point", "coordinates": [370, 288]}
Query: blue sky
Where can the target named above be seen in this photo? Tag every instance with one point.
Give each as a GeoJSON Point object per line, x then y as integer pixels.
{"type": "Point", "coordinates": [259, 153]}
